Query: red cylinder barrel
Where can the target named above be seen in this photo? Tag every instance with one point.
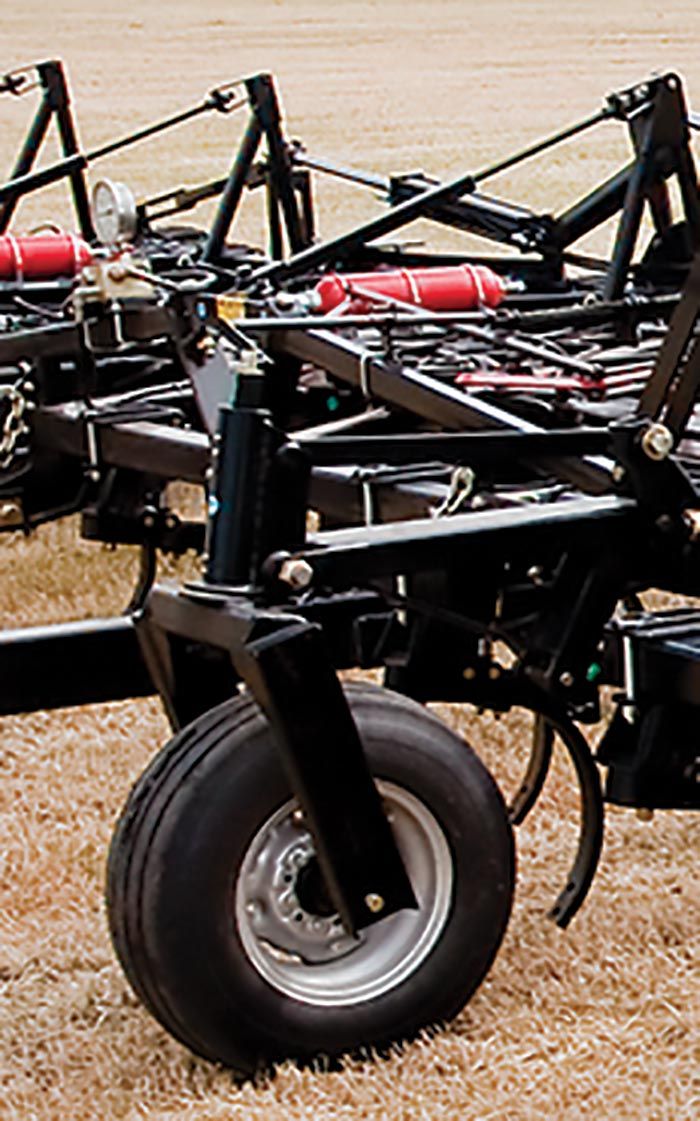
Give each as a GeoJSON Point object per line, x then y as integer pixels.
{"type": "Point", "coordinates": [42, 256]}
{"type": "Point", "coordinates": [443, 288]}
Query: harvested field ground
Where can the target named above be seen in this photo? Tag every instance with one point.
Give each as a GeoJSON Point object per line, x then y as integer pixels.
{"type": "Point", "coordinates": [600, 1022]}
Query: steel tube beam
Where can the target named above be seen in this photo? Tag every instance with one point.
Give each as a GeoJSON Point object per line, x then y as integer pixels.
{"type": "Point", "coordinates": [427, 397]}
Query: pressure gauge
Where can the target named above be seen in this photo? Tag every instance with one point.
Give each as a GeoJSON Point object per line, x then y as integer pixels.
{"type": "Point", "coordinates": [114, 214]}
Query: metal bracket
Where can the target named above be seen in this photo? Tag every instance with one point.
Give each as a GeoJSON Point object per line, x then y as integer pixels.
{"type": "Point", "coordinates": [291, 677]}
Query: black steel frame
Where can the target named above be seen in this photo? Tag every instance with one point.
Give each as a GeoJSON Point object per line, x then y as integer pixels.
{"type": "Point", "coordinates": [282, 609]}
{"type": "Point", "coordinates": [658, 121]}
{"type": "Point", "coordinates": [589, 555]}
{"type": "Point", "coordinates": [288, 188]}
{"type": "Point", "coordinates": [54, 105]}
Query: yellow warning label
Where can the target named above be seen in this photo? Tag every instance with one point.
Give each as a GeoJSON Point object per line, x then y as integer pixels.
{"type": "Point", "coordinates": [230, 307]}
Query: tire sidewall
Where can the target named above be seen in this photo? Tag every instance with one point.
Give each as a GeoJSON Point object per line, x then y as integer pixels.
{"type": "Point", "coordinates": [205, 828]}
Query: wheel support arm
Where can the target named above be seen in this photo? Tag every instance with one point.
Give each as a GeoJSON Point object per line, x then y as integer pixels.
{"type": "Point", "coordinates": [291, 677]}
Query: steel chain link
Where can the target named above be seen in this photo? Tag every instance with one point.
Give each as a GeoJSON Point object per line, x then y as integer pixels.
{"type": "Point", "coordinates": [13, 426]}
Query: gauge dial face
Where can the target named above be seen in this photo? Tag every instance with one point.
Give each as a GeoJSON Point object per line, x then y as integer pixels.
{"type": "Point", "coordinates": [114, 213]}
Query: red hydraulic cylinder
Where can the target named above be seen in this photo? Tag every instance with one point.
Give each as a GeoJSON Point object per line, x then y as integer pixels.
{"type": "Point", "coordinates": [443, 288]}
{"type": "Point", "coordinates": [42, 256]}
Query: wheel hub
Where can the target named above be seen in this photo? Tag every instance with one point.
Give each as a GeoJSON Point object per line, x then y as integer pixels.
{"type": "Point", "coordinates": [276, 913]}
{"type": "Point", "coordinates": [299, 945]}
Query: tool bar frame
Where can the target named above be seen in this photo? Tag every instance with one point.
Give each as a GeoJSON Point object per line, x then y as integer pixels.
{"type": "Point", "coordinates": [657, 118]}
{"type": "Point", "coordinates": [289, 189]}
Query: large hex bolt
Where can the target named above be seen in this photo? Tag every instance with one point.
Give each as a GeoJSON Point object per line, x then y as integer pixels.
{"type": "Point", "coordinates": [296, 572]}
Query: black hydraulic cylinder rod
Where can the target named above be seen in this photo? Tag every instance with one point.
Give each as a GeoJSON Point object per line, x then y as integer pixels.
{"type": "Point", "coordinates": [398, 216]}
{"type": "Point", "coordinates": [182, 198]}
{"type": "Point", "coordinates": [481, 213]}
{"type": "Point", "coordinates": [233, 190]}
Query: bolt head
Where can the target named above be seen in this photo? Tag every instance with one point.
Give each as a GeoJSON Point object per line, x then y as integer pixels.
{"type": "Point", "coordinates": [296, 572]}
{"type": "Point", "coordinates": [374, 902]}
{"type": "Point", "coordinates": [10, 512]}
{"type": "Point", "coordinates": [657, 442]}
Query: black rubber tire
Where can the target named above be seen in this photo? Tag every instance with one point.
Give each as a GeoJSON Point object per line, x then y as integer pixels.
{"type": "Point", "coordinates": [183, 835]}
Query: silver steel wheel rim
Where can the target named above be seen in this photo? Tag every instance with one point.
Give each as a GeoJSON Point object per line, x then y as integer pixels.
{"type": "Point", "coordinates": [309, 957]}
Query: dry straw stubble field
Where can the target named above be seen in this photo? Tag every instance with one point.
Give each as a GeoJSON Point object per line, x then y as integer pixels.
{"type": "Point", "coordinates": [602, 1021]}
